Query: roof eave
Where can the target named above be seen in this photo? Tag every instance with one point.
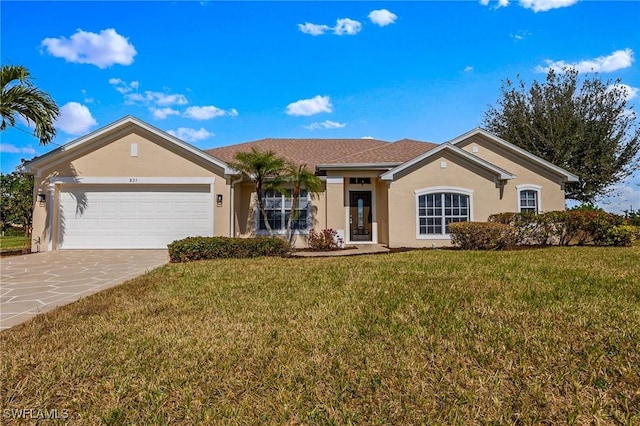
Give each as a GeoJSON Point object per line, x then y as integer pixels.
{"type": "Point", "coordinates": [357, 166]}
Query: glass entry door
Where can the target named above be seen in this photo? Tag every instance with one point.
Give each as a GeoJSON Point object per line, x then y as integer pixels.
{"type": "Point", "coordinates": [360, 216]}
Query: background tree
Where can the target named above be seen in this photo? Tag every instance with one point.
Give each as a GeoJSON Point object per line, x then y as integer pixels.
{"type": "Point", "coordinates": [265, 169]}
{"type": "Point", "coordinates": [585, 127]}
{"type": "Point", "coordinates": [16, 198]}
{"type": "Point", "coordinates": [21, 97]}
{"type": "Point", "coordinates": [299, 177]}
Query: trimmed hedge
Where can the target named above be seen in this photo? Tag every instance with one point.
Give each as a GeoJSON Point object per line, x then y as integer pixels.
{"type": "Point", "coordinates": [482, 235]}
{"type": "Point", "coordinates": [202, 248]}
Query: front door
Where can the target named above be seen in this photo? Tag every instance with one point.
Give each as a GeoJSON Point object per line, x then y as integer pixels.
{"type": "Point", "coordinates": [360, 216]}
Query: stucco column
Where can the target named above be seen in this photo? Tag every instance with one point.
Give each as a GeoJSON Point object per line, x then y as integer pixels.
{"type": "Point", "coordinates": [335, 203]}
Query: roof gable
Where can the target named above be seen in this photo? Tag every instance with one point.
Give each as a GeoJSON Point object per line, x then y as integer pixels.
{"type": "Point", "coordinates": [129, 122]}
{"type": "Point", "coordinates": [566, 175]}
{"type": "Point", "coordinates": [500, 173]}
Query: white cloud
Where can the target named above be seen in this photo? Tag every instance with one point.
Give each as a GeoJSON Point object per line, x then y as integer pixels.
{"type": "Point", "coordinates": [468, 68]}
{"type": "Point", "coordinates": [347, 26]}
{"type": "Point", "coordinates": [162, 113]}
{"type": "Point", "coordinates": [501, 3]}
{"type": "Point", "coordinates": [382, 17]}
{"type": "Point", "coordinates": [7, 148]}
{"type": "Point", "coordinates": [166, 99]}
{"type": "Point", "coordinates": [190, 135]}
{"type": "Point", "coordinates": [520, 35]}
{"type": "Point", "coordinates": [87, 99]}
{"type": "Point", "coordinates": [343, 26]}
{"type": "Point", "coordinates": [102, 50]}
{"type": "Point", "coordinates": [156, 98]}
{"type": "Point", "coordinates": [122, 86]}
{"type": "Point", "coordinates": [617, 60]}
{"type": "Point", "coordinates": [75, 119]}
{"type": "Point", "coordinates": [313, 29]}
{"type": "Point", "coordinates": [535, 5]}
{"type": "Point", "coordinates": [367, 137]}
{"type": "Point", "coordinates": [327, 124]}
{"type": "Point", "coordinates": [545, 5]}
{"type": "Point", "coordinates": [208, 112]}
{"type": "Point", "coordinates": [311, 106]}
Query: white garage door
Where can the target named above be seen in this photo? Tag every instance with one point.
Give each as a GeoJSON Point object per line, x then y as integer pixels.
{"type": "Point", "coordinates": [132, 216]}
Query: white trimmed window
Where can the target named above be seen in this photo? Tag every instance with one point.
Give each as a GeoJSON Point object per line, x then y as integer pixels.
{"type": "Point", "coordinates": [278, 208]}
{"type": "Point", "coordinates": [437, 209]}
{"type": "Point", "coordinates": [529, 198]}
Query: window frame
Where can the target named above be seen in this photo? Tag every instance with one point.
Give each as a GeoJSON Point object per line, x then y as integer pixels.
{"type": "Point", "coordinates": [283, 212]}
{"type": "Point", "coordinates": [439, 190]}
{"type": "Point", "coordinates": [537, 189]}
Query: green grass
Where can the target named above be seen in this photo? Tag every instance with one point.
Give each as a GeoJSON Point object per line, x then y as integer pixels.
{"type": "Point", "coordinates": [13, 242]}
{"type": "Point", "coordinates": [543, 336]}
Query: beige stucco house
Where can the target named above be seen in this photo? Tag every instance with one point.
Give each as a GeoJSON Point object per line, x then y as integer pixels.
{"type": "Point", "coordinates": [131, 185]}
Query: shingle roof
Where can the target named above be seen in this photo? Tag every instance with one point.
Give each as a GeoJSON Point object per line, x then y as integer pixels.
{"type": "Point", "coordinates": [396, 152]}
{"type": "Point", "coordinates": [330, 151]}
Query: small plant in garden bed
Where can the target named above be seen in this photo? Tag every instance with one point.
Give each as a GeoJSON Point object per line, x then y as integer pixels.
{"type": "Point", "coordinates": [327, 239]}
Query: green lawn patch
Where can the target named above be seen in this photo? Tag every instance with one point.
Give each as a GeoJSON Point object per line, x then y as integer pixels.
{"type": "Point", "coordinates": [13, 242]}
{"type": "Point", "coordinates": [546, 336]}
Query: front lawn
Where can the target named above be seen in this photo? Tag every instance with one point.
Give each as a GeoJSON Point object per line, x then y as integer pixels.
{"type": "Point", "coordinates": [13, 242]}
{"type": "Point", "coordinates": [539, 336]}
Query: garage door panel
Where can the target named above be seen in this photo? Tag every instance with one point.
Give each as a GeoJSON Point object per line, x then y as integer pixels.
{"type": "Point", "coordinates": [132, 216]}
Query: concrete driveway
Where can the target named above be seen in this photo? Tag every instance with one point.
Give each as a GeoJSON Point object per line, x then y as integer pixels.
{"type": "Point", "coordinates": [39, 282]}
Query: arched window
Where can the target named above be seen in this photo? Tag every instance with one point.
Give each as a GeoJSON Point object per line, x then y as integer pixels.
{"type": "Point", "coordinates": [438, 207]}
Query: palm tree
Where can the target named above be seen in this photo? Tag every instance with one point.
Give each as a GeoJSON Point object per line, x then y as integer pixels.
{"type": "Point", "coordinates": [265, 169]}
{"type": "Point", "coordinates": [300, 178]}
{"type": "Point", "coordinates": [21, 97]}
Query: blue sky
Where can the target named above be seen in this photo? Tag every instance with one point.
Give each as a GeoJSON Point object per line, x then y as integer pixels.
{"type": "Point", "coordinates": [218, 73]}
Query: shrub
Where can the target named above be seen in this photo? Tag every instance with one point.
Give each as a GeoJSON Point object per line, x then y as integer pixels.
{"type": "Point", "coordinates": [620, 235]}
{"type": "Point", "coordinates": [482, 235]}
{"type": "Point", "coordinates": [578, 226]}
{"type": "Point", "coordinates": [327, 239]}
{"type": "Point", "coordinates": [507, 218]}
{"type": "Point", "coordinates": [531, 228]}
{"type": "Point", "coordinates": [201, 248]}
{"type": "Point", "coordinates": [599, 224]}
